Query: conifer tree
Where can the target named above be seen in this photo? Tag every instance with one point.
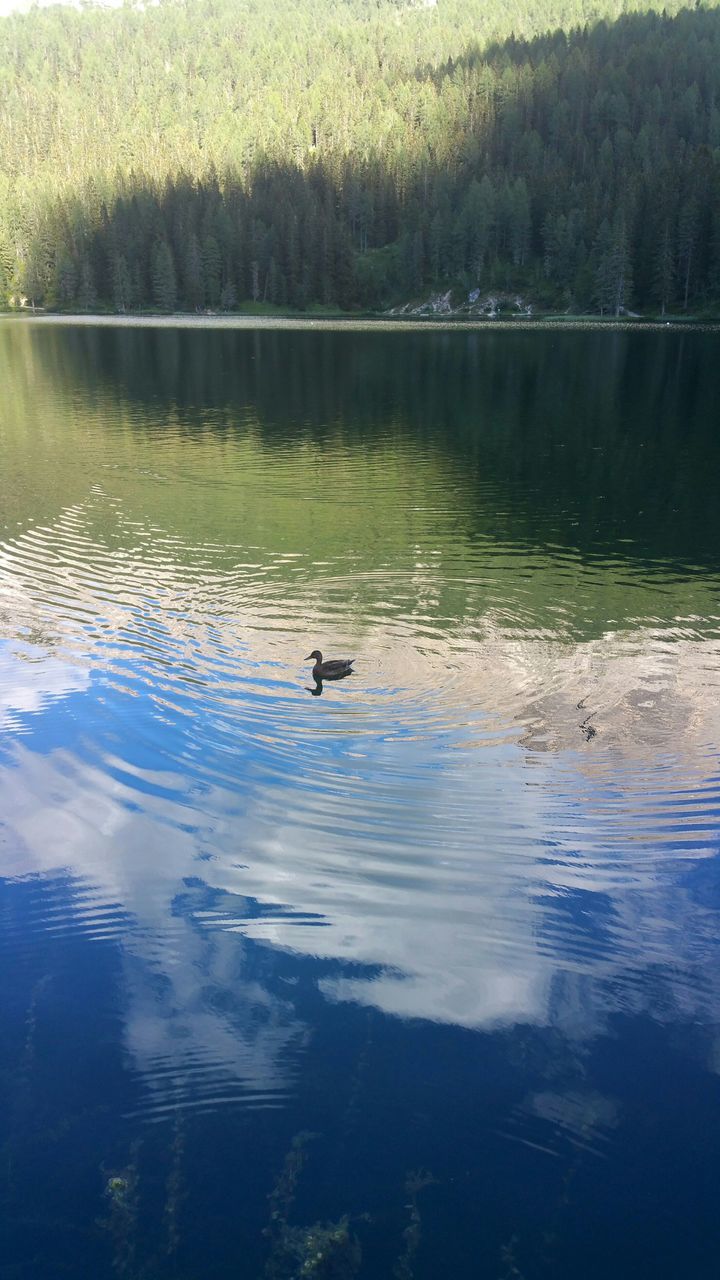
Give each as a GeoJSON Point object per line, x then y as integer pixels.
{"type": "Point", "coordinates": [87, 293]}
{"type": "Point", "coordinates": [665, 267]}
{"type": "Point", "coordinates": [164, 283]}
{"type": "Point", "coordinates": [121, 291]}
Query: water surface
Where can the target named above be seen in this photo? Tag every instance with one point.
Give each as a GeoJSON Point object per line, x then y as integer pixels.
{"type": "Point", "coordinates": [432, 957]}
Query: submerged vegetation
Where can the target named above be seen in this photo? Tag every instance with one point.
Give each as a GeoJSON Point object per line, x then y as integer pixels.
{"type": "Point", "coordinates": [326, 1250]}
{"type": "Point", "coordinates": [207, 155]}
{"type": "Point", "coordinates": [121, 1218]}
{"type": "Point", "coordinates": [416, 1182]}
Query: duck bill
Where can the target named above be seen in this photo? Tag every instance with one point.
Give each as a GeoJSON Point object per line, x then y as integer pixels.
{"type": "Point", "coordinates": [310, 655]}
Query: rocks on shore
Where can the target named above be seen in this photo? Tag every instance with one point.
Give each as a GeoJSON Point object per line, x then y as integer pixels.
{"type": "Point", "coordinates": [475, 303]}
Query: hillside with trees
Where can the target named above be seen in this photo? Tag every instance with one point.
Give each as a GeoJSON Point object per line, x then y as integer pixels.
{"type": "Point", "coordinates": [209, 153]}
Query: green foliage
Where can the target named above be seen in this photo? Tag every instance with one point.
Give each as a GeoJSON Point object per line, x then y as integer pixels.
{"type": "Point", "coordinates": [204, 155]}
{"type": "Point", "coordinates": [87, 294]}
{"type": "Point", "coordinates": [121, 287]}
{"type": "Point", "coordinates": [283, 1193]}
{"type": "Point", "coordinates": [164, 286]}
{"type": "Point", "coordinates": [416, 1182]}
{"type": "Point", "coordinates": [326, 1251]}
{"type": "Point", "coordinates": [121, 1210]}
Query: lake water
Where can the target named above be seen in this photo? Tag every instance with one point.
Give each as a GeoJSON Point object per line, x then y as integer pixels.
{"type": "Point", "coordinates": [416, 978]}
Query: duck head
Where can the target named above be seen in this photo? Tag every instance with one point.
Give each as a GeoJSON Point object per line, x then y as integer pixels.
{"type": "Point", "coordinates": [316, 654]}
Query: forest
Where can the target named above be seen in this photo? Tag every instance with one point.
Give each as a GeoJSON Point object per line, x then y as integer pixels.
{"type": "Point", "coordinates": [356, 154]}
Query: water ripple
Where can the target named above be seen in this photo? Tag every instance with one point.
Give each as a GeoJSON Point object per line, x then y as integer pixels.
{"type": "Point", "coordinates": [506, 800]}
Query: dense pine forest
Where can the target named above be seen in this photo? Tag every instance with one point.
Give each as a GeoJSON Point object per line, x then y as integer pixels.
{"type": "Point", "coordinates": [206, 154]}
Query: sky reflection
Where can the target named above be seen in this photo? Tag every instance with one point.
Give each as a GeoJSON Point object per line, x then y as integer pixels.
{"type": "Point", "coordinates": [458, 884]}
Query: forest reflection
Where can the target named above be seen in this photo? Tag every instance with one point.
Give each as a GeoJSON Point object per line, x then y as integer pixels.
{"type": "Point", "coordinates": [613, 423]}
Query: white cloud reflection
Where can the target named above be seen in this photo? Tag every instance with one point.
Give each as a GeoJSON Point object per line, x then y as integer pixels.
{"type": "Point", "coordinates": [30, 678]}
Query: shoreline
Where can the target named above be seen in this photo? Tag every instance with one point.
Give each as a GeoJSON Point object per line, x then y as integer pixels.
{"type": "Point", "coordinates": [184, 320]}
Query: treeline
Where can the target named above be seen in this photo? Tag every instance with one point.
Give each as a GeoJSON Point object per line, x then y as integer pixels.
{"type": "Point", "coordinates": [347, 160]}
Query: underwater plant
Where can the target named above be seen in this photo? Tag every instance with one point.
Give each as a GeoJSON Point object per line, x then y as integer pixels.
{"type": "Point", "coordinates": [323, 1251]}
{"type": "Point", "coordinates": [175, 1188]}
{"type": "Point", "coordinates": [121, 1194]}
{"type": "Point", "coordinates": [283, 1193]}
{"type": "Point", "coordinates": [414, 1184]}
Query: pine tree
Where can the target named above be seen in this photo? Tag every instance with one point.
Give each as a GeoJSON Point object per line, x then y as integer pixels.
{"type": "Point", "coordinates": [228, 294]}
{"type": "Point", "coordinates": [276, 290]}
{"type": "Point", "coordinates": [121, 294]}
{"type": "Point", "coordinates": [87, 293]}
{"type": "Point", "coordinates": [192, 275]}
{"type": "Point", "coordinates": [519, 221]}
{"type": "Point", "coordinates": [66, 279]}
{"type": "Point", "coordinates": [478, 220]}
{"type": "Point", "coordinates": [687, 234]}
{"type": "Point", "coordinates": [164, 285]}
{"type": "Point", "coordinates": [665, 267]}
{"type": "Point", "coordinates": [620, 270]}
{"type": "Point", "coordinates": [211, 270]}
{"type": "Point", "coordinates": [604, 292]}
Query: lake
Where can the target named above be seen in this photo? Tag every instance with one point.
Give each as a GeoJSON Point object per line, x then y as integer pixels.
{"type": "Point", "coordinates": [416, 974]}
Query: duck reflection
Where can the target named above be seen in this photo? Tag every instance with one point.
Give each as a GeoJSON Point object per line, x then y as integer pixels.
{"type": "Point", "coordinates": [316, 690]}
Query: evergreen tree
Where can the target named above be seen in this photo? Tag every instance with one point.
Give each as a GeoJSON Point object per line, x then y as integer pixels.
{"type": "Point", "coordinates": [463, 156]}
{"type": "Point", "coordinates": [87, 293]}
{"type": "Point", "coordinates": [605, 290]}
{"type": "Point", "coordinates": [66, 280]}
{"type": "Point", "coordinates": [192, 272]}
{"type": "Point", "coordinates": [620, 270]}
{"type": "Point", "coordinates": [228, 295]}
{"type": "Point", "coordinates": [164, 284]}
{"type": "Point", "coordinates": [212, 270]}
{"type": "Point", "coordinates": [121, 290]}
{"type": "Point", "coordinates": [687, 236]}
{"type": "Point", "coordinates": [665, 267]}
{"type": "Point", "coordinates": [519, 221]}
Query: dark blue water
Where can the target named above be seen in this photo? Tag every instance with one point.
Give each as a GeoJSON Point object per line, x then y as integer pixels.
{"type": "Point", "coordinates": [416, 978]}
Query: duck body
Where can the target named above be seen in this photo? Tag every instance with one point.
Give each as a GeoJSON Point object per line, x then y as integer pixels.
{"type": "Point", "coordinates": [331, 668]}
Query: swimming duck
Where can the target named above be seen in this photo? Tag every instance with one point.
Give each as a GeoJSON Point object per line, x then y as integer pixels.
{"type": "Point", "coordinates": [332, 668]}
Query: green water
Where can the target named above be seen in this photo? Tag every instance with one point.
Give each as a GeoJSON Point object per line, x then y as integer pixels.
{"type": "Point", "coordinates": [457, 917]}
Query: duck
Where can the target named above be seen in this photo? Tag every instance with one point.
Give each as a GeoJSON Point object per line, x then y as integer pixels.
{"type": "Point", "coordinates": [331, 668]}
